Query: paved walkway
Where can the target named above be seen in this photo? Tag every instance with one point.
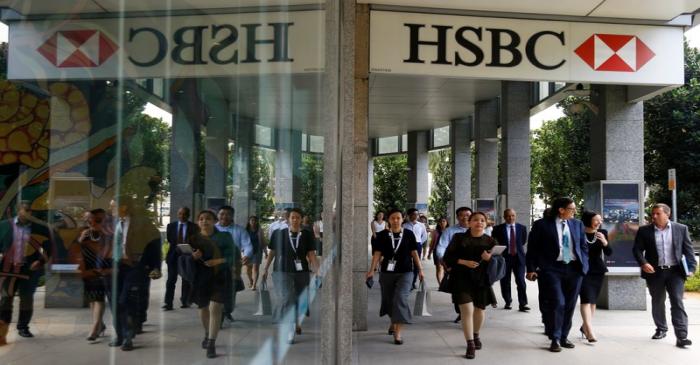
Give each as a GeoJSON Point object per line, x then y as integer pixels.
{"type": "Point", "coordinates": [509, 337]}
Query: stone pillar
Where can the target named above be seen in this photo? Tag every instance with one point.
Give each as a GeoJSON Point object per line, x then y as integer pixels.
{"type": "Point", "coordinates": [244, 138]}
{"type": "Point", "coordinates": [184, 150]}
{"type": "Point", "coordinates": [417, 196]}
{"type": "Point", "coordinates": [617, 153]}
{"type": "Point", "coordinates": [216, 149]}
{"type": "Point", "coordinates": [486, 137]}
{"type": "Point", "coordinates": [461, 157]}
{"type": "Point", "coordinates": [515, 163]}
{"type": "Point", "coordinates": [288, 169]}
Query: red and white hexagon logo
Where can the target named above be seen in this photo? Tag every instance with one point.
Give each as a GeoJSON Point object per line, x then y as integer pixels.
{"type": "Point", "coordinates": [78, 48]}
{"type": "Point", "coordinates": [614, 52]}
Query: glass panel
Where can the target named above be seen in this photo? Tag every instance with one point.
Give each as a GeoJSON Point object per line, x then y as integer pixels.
{"type": "Point", "coordinates": [154, 158]}
{"type": "Point", "coordinates": [441, 137]}
{"type": "Point", "coordinates": [388, 145]}
{"type": "Point", "coordinates": [404, 143]}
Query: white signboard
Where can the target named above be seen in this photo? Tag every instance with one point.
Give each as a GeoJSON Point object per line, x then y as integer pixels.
{"type": "Point", "coordinates": [178, 46]}
{"type": "Point", "coordinates": [530, 50]}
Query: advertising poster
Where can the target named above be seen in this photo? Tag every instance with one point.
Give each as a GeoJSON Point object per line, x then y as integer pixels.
{"type": "Point", "coordinates": [621, 218]}
{"type": "Point", "coordinates": [486, 206]}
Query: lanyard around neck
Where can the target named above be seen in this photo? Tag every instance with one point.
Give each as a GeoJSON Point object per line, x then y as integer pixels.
{"type": "Point", "coordinates": [292, 243]}
{"type": "Point", "coordinates": [394, 244]}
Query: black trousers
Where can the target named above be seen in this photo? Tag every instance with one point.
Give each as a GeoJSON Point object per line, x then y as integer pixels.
{"type": "Point", "coordinates": [669, 281]}
{"type": "Point", "coordinates": [9, 287]}
{"type": "Point", "coordinates": [230, 292]}
{"type": "Point", "coordinates": [513, 266]}
{"type": "Point", "coordinates": [126, 299]}
{"type": "Point", "coordinates": [560, 285]}
{"type": "Point", "coordinates": [170, 285]}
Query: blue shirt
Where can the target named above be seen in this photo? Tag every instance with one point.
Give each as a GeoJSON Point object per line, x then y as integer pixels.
{"type": "Point", "coordinates": [241, 238]}
{"type": "Point", "coordinates": [446, 237]}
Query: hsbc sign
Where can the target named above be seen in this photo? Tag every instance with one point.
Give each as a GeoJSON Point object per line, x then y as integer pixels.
{"type": "Point", "coordinates": [180, 46]}
{"type": "Point", "coordinates": [531, 50]}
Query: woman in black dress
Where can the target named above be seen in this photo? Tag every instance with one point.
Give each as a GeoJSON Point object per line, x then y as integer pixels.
{"type": "Point", "coordinates": [467, 258]}
{"type": "Point", "coordinates": [214, 255]}
{"type": "Point", "coordinates": [398, 251]}
{"type": "Point", "coordinates": [597, 241]}
{"type": "Point", "coordinates": [294, 251]}
{"type": "Point", "coordinates": [95, 267]}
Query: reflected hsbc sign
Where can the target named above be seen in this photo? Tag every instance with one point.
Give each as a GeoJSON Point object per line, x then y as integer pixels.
{"type": "Point", "coordinates": [216, 45]}
{"type": "Point", "coordinates": [531, 50]}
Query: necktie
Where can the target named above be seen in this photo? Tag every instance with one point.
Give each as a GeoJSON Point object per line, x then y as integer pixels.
{"type": "Point", "coordinates": [118, 240]}
{"type": "Point", "coordinates": [565, 245]}
{"type": "Point", "coordinates": [512, 249]}
{"type": "Point", "coordinates": [181, 234]}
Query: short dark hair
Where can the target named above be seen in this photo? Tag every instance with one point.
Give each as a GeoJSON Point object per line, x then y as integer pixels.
{"type": "Point", "coordinates": [474, 214]}
{"type": "Point", "coordinates": [186, 209]}
{"type": "Point", "coordinates": [296, 210]}
{"type": "Point", "coordinates": [97, 211]}
{"type": "Point", "coordinates": [227, 207]}
{"type": "Point", "coordinates": [558, 203]}
{"type": "Point", "coordinates": [411, 211]}
{"type": "Point", "coordinates": [393, 211]}
{"type": "Point", "coordinates": [461, 209]}
{"type": "Point", "coordinates": [587, 217]}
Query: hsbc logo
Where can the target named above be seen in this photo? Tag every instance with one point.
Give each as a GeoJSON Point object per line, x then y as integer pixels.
{"type": "Point", "coordinates": [614, 52]}
{"type": "Point", "coordinates": [78, 48]}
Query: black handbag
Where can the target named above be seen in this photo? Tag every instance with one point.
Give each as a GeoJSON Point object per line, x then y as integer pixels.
{"type": "Point", "coordinates": [445, 284]}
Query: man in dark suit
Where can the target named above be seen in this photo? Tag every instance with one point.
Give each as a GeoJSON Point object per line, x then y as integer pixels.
{"type": "Point", "coordinates": [665, 254]}
{"type": "Point", "coordinates": [22, 260]}
{"type": "Point", "coordinates": [137, 258]}
{"type": "Point", "coordinates": [514, 236]}
{"type": "Point", "coordinates": [558, 256]}
{"type": "Point", "coordinates": [178, 232]}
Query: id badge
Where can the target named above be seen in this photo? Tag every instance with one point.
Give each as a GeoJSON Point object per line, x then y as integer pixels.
{"type": "Point", "coordinates": [391, 266]}
{"type": "Point", "coordinates": [297, 265]}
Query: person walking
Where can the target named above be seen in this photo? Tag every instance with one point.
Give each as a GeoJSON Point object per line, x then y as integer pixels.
{"type": "Point", "coordinates": [95, 265]}
{"type": "Point", "coordinates": [665, 254]}
{"type": "Point", "coordinates": [514, 236]}
{"type": "Point", "coordinates": [597, 240]}
{"type": "Point", "coordinates": [462, 226]}
{"type": "Point", "coordinates": [442, 225]}
{"type": "Point", "coordinates": [257, 240]}
{"type": "Point", "coordinates": [293, 251]}
{"type": "Point", "coordinates": [558, 256]}
{"type": "Point", "coordinates": [397, 249]}
{"type": "Point", "coordinates": [214, 254]}
{"type": "Point", "coordinates": [241, 241]}
{"type": "Point", "coordinates": [377, 225]}
{"type": "Point", "coordinates": [467, 259]}
{"type": "Point", "coordinates": [420, 232]}
{"type": "Point", "coordinates": [179, 232]}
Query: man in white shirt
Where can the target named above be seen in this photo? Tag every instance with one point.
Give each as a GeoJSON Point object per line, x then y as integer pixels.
{"type": "Point", "coordinates": [421, 233]}
{"type": "Point", "coordinates": [280, 223]}
{"type": "Point", "coordinates": [241, 239]}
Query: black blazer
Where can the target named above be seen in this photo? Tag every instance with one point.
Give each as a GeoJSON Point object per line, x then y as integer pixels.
{"type": "Point", "coordinates": [595, 259]}
{"type": "Point", "coordinates": [171, 236]}
{"type": "Point", "coordinates": [543, 244]}
{"type": "Point", "coordinates": [644, 249]}
{"type": "Point", "coordinates": [501, 235]}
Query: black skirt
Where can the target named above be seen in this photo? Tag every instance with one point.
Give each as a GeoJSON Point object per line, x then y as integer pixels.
{"type": "Point", "coordinates": [590, 288]}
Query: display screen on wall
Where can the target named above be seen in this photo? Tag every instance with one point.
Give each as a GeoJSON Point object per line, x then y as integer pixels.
{"type": "Point", "coordinates": [621, 218]}
{"type": "Point", "coordinates": [486, 206]}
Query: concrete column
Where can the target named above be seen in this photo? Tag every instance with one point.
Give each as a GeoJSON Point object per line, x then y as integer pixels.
{"type": "Point", "coordinates": [216, 149]}
{"type": "Point", "coordinates": [515, 163]}
{"type": "Point", "coordinates": [288, 169]}
{"type": "Point", "coordinates": [184, 150]}
{"type": "Point", "coordinates": [244, 138]}
{"type": "Point", "coordinates": [486, 136]}
{"type": "Point", "coordinates": [461, 156]}
{"type": "Point", "coordinates": [617, 153]}
{"type": "Point", "coordinates": [417, 196]}
{"type": "Point", "coordinates": [617, 136]}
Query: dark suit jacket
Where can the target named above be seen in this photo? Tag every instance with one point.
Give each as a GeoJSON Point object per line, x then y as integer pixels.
{"type": "Point", "coordinates": [500, 234]}
{"type": "Point", "coordinates": [543, 244]}
{"type": "Point", "coordinates": [644, 249]}
{"type": "Point", "coordinates": [171, 235]}
{"type": "Point", "coordinates": [7, 236]}
{"type": "Point", "coordinates": [143, 243]}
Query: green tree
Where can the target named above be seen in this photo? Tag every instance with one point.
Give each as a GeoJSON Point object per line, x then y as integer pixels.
{"type": "Point", "coordinates": [561, 145]}
{"type": "Point", "coordinates": [261, 181]}
{"type": "Point", "coordinates": [440, 166]}
{"type": "Point", "coordinates": [672, 140]}
{"type": "Point", "coordinates": [390, 182]}
{"type": "Point", "coordinates": [312, 190]}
